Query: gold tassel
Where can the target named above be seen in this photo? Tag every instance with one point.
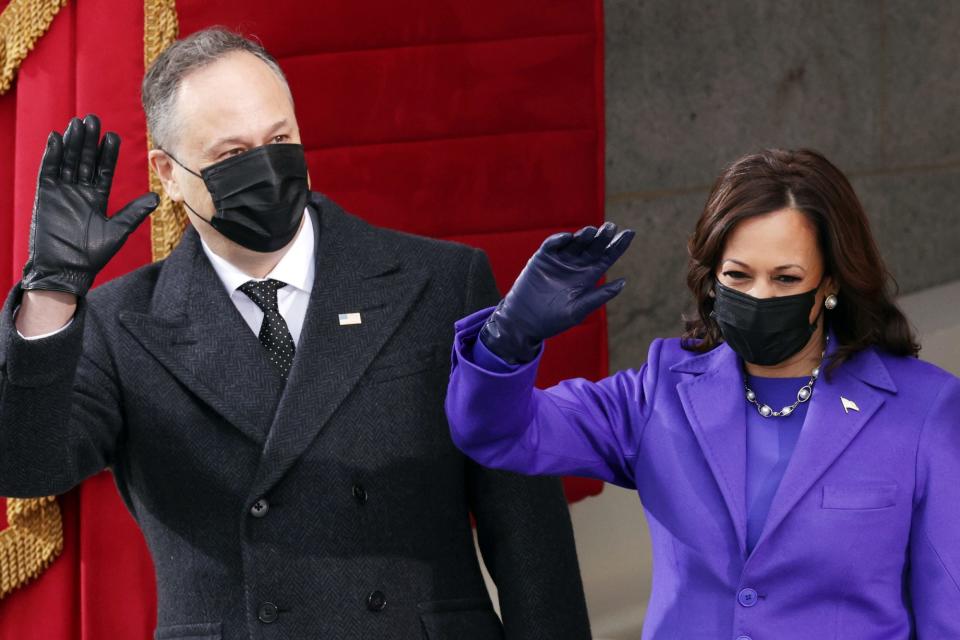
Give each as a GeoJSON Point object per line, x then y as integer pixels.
{"type": "Point", "coordinates": [32, 540]}
{"type": "Point", "coordinates": [167, 223]}
{"type": "Point", "coordinates": [21, 25]}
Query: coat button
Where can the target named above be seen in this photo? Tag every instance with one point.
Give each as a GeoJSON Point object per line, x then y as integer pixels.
{"type": "Point", "coordinates": [744, 638]}
{"type": "Point", "coordinates": [747, 597]}
{"type": "Point", "coordinates": [359, 494]}
{"type": "Point", "coordinates": [260, 508]}
{"type": "Point", "coordinates": [267, 613]}
{"type": "Point", "coordinates": [376, 601]}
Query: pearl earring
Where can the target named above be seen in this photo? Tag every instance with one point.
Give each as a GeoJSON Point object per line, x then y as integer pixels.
{"type": "Point", "coordinates": [830, 302]}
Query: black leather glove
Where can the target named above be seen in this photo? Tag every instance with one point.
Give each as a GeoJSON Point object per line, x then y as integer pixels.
{"type": "Point", "coordinates": [71, 238]}
{"type": "Point", "coordinates": [555, 291]}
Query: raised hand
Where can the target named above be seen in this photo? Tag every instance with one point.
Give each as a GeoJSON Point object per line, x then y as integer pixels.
{"type": "Point", "coordinates": [71, 238]}
{"type": "Point", "coordinates": [555, 291]}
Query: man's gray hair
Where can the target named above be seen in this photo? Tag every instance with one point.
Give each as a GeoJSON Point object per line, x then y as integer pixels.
{"type": "Point", "coordinates": [163, 78]}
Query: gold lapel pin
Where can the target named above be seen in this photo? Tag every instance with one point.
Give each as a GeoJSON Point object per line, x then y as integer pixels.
{"type": "Point", "coordinates": [349, 318]}
{"type": "Point", "coordinates": [848, 405]}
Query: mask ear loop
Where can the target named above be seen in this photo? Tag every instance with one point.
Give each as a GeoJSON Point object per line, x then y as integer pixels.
{"type": "Point", "coordinates": [191, 172]}
{"type": "Point", "coordinates": [185, 167]}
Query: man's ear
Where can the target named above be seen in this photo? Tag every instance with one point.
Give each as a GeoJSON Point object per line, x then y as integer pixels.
{"type": "Point", "coordinates": [161, 163]}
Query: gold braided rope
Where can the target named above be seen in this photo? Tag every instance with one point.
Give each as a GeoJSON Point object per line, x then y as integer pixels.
{"type": "Point", "coordinates": [34, 534]}
{"type": "Point", "coordinates": [33, 539]}
{"type": "Point", "coordinates": [160, 28]}
{"type": "Point", "coordinates": [21, 25]}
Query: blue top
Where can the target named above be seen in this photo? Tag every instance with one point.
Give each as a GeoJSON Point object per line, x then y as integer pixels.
{"type": "Point", "coordinates": [770, 443]}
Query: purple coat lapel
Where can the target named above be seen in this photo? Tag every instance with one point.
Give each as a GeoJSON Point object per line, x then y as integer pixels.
{"type": "Point", "coordinates": [829, 428]}
{"type": "Point", "coordinates": [715, 408]}
{"type": "Point", "coordinates": [714, 405]}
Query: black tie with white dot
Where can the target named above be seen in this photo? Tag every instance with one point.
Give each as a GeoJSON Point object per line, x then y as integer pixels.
{"type": "Point", "coordinates": [274, 334]}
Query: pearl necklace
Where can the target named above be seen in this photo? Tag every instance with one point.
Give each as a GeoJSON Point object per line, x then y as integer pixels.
{"type": "Point", "coordinates": [804, 394]}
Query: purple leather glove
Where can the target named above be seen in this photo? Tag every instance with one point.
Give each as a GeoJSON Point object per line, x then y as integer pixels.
{"type": "Point", "coordinates": [555, 291]}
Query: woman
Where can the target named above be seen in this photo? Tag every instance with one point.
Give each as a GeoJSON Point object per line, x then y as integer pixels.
{"type": "Point", "coordinates": [799, 467]}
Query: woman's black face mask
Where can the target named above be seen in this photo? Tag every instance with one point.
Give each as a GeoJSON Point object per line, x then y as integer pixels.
{"type": "Point", "coordinates": [764, 331]}
{"type": "Point", "coordinates": [259, 195]}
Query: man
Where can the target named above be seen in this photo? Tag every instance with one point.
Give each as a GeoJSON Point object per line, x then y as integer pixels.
{"type": "Point", "coordinates": [270, 397]}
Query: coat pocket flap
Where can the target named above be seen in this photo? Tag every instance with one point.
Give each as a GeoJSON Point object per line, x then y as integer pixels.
{"type": "Point", "coordinates": [407, 363]}
{"type": "Point", "coordinates": [859, 496]}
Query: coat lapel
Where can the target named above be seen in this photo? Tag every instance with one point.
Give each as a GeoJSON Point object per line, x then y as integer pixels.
{"type": "Point", "coordinates": [715, 407]}
{"type": "Point", "coordinates": [356, 273]}
{"type": "Point", "coordinates": [829, 428]}
{"type": "Point", "coordinates": [194, 330]}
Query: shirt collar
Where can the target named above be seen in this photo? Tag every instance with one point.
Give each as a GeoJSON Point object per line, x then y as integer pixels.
{"type": "Point", "coordinates": [296, 268]}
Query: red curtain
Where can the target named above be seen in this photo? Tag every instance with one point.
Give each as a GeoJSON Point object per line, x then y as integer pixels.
{"type": "Point", "coordinates": [479, 122]}
{"type": "Point", "coordinates": [91, 60]}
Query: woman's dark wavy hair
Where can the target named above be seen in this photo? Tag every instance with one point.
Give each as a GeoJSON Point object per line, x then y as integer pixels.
{"type": "Point", "coordinates": [775, 179]}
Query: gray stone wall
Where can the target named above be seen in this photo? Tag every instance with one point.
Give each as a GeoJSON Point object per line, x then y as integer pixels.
{"type": "Point", "coordinates": [691, 85]}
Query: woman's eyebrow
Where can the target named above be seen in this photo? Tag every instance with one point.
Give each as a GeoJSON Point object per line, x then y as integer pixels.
{"type": "Point", "coordinates": [735, 261]}
{"type": "Point", "coordinates": [780, 268]}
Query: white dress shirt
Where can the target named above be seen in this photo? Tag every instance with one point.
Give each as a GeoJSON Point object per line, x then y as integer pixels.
{"type": "Point", "coordinates": [296, 269]}
{"type": "Point", "coordinates": [39, 336]}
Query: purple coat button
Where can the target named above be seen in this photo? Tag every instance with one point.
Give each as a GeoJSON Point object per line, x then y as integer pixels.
{"type": "Point", "coordinates": [747, 597]}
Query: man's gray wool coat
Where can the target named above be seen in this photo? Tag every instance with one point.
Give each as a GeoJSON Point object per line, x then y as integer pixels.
{"type": "Point", "coordinates": [333, 506]}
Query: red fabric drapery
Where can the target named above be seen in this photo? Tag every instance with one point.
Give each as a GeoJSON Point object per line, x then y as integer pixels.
{"type": "Point", "coordinates": [91, 60]}
{"type": "Point", "coordinates": [479, 122]}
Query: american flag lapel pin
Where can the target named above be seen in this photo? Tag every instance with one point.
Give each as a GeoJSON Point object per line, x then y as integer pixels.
{"type": "Point", "coordinates": [848, 405]}
{"type": "Point", "coordinates": [349, 318]}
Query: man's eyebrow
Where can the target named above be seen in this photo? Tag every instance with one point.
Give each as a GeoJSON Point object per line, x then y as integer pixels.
{"type": "Point", "coordinates": [222, 141]}
{"type": "Point", "coordinates": [241, 140]}
{"type": "Point", "coordinates": [279, 124]}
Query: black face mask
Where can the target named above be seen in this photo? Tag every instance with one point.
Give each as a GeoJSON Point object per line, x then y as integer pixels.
{"type": "Point", "coordinates": [259, 195]}
{"type": "Point", "coordinates": [764, 331]}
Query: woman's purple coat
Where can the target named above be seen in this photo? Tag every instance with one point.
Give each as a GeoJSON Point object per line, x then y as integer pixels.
{"type": "Point", "coordinates": [862, 541]}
